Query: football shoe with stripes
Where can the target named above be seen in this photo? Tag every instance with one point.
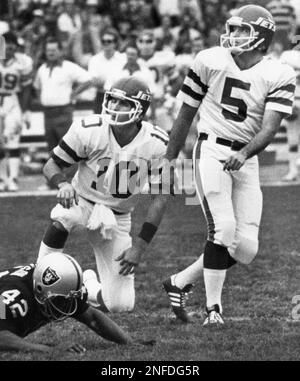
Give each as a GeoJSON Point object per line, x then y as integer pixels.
{"type": "Point", "coordinates": [178, 297]}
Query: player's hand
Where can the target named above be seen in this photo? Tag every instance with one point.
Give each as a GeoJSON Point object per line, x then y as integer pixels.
{"type": "Point", "coordinates": [26, 119]}
{"type": "Point", "coordinates": [129, 260]}
{"type": "Point", "coordinates": [76, 348]}
{"type": "Point", "coordinates": [67, 195]}
{"type": "Point", "coordinates": [235, 162]}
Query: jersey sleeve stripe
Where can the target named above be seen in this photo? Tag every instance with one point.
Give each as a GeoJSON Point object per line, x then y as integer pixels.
{"type": "Point", "coordinates": [164, 133]}
{"type": "Point", "coordinates": [191, 93]}
{"type": "Point", "coordinates": [290, 88]}
{"type": "Point", "coordinates": [282, 101]}
{"type": "Point", "coordinates": [193, 76]}
{"type": "Point", "coordinates": [65, 147]}
{"type": "Point", "coordinates": [59, 161]}
{"type": "Point", "coordinates": [165, 141]}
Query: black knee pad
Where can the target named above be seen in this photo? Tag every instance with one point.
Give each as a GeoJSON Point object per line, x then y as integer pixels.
{"type": "Point", "coordinates": [216, 257]}
{"type": "Point", "coordinates": [14, 152]}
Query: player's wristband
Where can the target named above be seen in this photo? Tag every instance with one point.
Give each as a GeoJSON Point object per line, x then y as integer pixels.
{"type": "Point", "coordinates": [147, 232]}
{"type": "Point", "coordinates": [57, 179]}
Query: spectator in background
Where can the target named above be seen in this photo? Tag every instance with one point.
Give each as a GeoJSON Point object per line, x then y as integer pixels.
{"type": "Point", "coordinates": [86, 42]}
{"type": "Point", "coordinates": [171, 8]}
{"type": "Point", "coordinates": [69, 20]}
{"type": "Point", "coordinates": [292, 58]}
{"type": "Point", "coordinates": [34, 35]}
{"type": "Point", "coordinates": [296, 5]}
{"type": "Point", "coordinates": [132, 67]}
{"type": "Point", "coordinates": [54, 83]}
{"type": "Point", "coordinates": [164, 33]}
{"type": "Point", "coordinates": [108, 61]}
{"type": "Point", "coordinates": [15, 85]}
{"type": "Point", "coordinates": [157, 62]}
{"type": "Point", "coordinates": [183, 61]}
{"type": "Point", "coordinates": [285, 19]}
{"type": "Point", "coordinates": [185, 32]}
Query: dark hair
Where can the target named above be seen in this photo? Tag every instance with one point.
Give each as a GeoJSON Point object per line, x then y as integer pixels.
{"type": "Point", "coordinates": [131, 44]}
{"type": "Point", "coordinates": [54, 40]}
{"type": "Point", "coordinates": [112, 32]}
{"type": "Point", "coordinates": [10, 38]}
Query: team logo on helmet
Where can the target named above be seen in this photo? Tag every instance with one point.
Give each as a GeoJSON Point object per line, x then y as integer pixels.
{"type": "Point", "coordinates": [50, 277]}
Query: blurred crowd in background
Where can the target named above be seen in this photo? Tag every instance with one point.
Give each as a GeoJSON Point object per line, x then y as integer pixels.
{"type": "Point", "coordinates": [156, 39]}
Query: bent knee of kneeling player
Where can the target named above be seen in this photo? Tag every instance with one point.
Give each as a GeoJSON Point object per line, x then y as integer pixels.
{"type": "Point", "coordinates": [225, 232]}
{"type": "Point", "coordinates": [122, 302]}
{"type": "Point", "coordinates": [246, 250]}
{"type": "Point", "coordinates": [66, 218]}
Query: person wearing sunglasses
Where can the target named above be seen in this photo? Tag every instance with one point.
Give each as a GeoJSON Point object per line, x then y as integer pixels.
{"type": "Point", "coordinates": [108, 60]}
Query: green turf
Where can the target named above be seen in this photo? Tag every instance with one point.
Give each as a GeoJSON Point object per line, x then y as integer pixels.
{"type": "Point", "coordinates": [257, 299]}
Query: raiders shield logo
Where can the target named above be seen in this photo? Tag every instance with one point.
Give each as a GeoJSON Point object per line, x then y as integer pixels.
{"type": "Point", "coordinates": [50, 277]}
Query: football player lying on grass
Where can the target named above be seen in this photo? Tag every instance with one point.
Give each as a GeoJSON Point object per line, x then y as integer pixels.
{"type": "Point", "coordinates": [50, 290]}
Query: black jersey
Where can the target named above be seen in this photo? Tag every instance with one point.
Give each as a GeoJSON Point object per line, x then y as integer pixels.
{"type": "Point", "coordinates": [20, 313]}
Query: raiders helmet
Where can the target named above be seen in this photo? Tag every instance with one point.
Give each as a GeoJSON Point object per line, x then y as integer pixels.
{"type": "Point", "coordinates": [57, 285]}
{"type": "Point", "coordinates": [260, 24]}
{"type": "Point", "coordinates": [133, 90]}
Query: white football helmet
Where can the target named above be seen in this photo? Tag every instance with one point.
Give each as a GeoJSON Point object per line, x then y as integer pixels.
{"type": "Point", "coordinates": [260, 25]}
{"type": "Point", "coordinates": [130, 89]}
{"type": "Point", "coordinates": [57, 285]}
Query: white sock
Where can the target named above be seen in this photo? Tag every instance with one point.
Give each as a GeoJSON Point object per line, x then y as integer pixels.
{"type": "Point", "coordinates": [189, 275]}
{"type": "Point", "coordinates": [3, 169]}
{"type": "Point", "coordinates": [93, 287]}
{"type": "Point", "coordinates": [293, 156]}
{"type": "Point", "coordinates": [45, 250]}
{"type": "Point", "coordinates": [214, 280]}
{"type": "Point", "coordinates": [13, 166]}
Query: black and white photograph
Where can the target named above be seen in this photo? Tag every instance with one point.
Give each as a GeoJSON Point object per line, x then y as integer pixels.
{"type": "Point", "coordinates": [149, 183]}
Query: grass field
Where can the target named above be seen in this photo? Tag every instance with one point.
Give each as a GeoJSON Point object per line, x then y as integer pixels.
{"type": "Point", "coordinates": [257, 299]}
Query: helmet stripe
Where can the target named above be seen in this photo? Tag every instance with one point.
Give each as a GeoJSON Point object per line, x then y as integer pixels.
{"type": "Point", "coordinates": [78, 270]}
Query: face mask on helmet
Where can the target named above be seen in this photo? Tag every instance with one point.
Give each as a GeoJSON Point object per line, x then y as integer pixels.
{"type": "Point", "coordinates": [114, 103]}
{"type": "Point", "coordinates": [249, 29]}
{"type": "Point", "coordinates": [57, 285]}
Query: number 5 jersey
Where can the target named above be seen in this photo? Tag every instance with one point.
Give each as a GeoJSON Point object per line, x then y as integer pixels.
{"type": "Point", "coordinates": [233, 101]}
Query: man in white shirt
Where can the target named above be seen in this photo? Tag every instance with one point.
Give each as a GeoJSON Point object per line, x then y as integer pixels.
{"type": "Point", "coordinates": [55, 81]}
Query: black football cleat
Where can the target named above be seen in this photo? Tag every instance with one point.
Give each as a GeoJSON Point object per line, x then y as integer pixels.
{"type": "Point", "coordinates": [178, 297]}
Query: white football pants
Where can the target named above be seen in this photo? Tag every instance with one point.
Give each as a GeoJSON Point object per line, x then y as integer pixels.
{"type": "Point", "coordinates": [231, 201]}
{"type": "Point", "coordinates": [117, 290]}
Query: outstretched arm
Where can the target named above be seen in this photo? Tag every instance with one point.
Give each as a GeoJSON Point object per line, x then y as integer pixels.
{"type": "Point", "coordinates": [104, 326]}
{"type": "Point", "coordinates": [9, 341]}
{"type": "Point", "coordinates": [132, 256]}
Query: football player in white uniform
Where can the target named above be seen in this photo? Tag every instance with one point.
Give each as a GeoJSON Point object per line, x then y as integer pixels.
{"type": "Point", "coordinates": [292, 57]}
{"type": "Point", "coordinates": [15, 88]}
{"type": "Point", "coordinates": [117, 154]}
{"type": "Point", "coordinates": [242, 97]}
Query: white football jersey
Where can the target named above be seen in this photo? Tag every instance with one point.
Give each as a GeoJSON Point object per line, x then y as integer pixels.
{"type": "Point", "coordinates": [157, 64]}
{"type": "Point", "coordinates": [292, 58]}
{"type": "Point", "coordinates": [233, 101]}
{"type": "Point", "coordinates": [14, 75]}
{"type": "Point", "coordinates": [107, 173]}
